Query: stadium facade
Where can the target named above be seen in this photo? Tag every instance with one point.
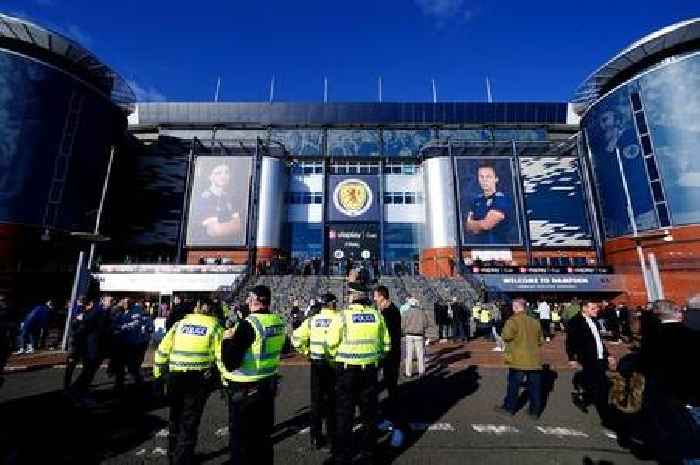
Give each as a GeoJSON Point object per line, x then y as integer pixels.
{"type": "Point", "coordinates": [537, 197]}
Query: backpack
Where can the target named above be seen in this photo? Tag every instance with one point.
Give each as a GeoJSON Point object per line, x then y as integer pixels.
{"type": "Point", "coordinates": [627, 392]}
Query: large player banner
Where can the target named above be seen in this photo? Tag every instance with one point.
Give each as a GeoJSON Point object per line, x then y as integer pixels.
{"type": "Point", "coordinates": [354, 198]}
{"type": "Point", "coordinates": [487, 200]}
{"type": "Point", "coordinates": [219, 202]}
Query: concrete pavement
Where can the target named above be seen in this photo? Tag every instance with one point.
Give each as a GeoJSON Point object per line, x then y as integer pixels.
{"type": "Point", "coordinates": [450, 412]}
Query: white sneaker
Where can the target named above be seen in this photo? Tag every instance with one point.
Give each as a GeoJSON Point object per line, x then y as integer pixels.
{"type": "Point", "coordinates": [30, 350]}
{"type": "Point", "coordinates": [20, 351]}
{"type": "Point", "coordinates": [385, 425]}
{"type": "Point", "coordinates": [396, 438]}
{"type": "Point", "coordinates": [547, 339]}
{"type": "Point", "coordinates": [497, 349]}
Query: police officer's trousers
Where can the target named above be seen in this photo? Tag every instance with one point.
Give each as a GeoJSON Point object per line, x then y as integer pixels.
{"type": "Point", "coordinates": [322, 399]}
{"type": "Point", "coordinates": [187, 395]}
{"type": "Point", "coordinates": [251, 417]}
{"type": "Point", "coordinates": [355, 386]}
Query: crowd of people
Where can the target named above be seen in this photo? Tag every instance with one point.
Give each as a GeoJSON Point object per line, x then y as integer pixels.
{"type": "Point", "coordinates": [650, 398]}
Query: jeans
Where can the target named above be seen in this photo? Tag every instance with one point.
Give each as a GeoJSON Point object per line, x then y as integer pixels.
{"type": "Point", "coordinates": [546, 327]}
{"type": "Point", "coordinates": [415, 343]}
{"type": "Point", "coordinates": [459, 329]}
{"type": "Point", "coordinates": [534, 390]}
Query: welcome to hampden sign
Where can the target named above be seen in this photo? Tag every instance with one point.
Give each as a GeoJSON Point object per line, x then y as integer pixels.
{"type": "Point", "coordinates": [552, 282]}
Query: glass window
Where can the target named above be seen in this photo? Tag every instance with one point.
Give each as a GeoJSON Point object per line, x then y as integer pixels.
{"type": "Point", "coordinates": [651, 168]}
{"type": "Point", "coordinates": [405, 142]}
{"type": "Point", "coordinates": [388, 197]}
{"type": "Point", "coordinates": [398, 197]}
{"type": "Point", "coordinates": [303, 239]}
{"type": "Point", "coordinates": [319, 168]}
{"type": "Point", "coordinates": [318, 198]}
{"type": "Point", "coordinates": [646, 145]}
{"type": "Point", "coordinates": [657, 191]}
{"type": "Point", "coordinates": [308, 169]}
{"type": "Point", "coordinates": [636, 101]}
{"type": "Point", "coordinates": [402, 241]}
{"type": "Point", "coordinates": [410, 197]}
{"type": "Point", "coordinates": [350, 142]}
{"type": "Point", "coordinates": [662, 211]}
{"type": "Point", "coordinates": [538, 134]}
{"type": "Point", "coordinates": [465, 134]}
{"type": "Point", "coordinates": [306, 142]}
{"type": "Point", "coordinates": [641, 123]}
{"type": "Point", "coordinates": [409, 169]}
{"type": "Point", "coordinates": [420, 197]}
{"type": "Point", "coordinates": [364, 169]}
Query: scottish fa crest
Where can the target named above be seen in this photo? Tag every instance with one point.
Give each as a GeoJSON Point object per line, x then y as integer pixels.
{"type": "Point", "coordinates": [352, 197]}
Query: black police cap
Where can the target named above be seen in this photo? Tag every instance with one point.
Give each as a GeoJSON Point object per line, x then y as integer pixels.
{"type": "Point", "coordinates": [328, 298]}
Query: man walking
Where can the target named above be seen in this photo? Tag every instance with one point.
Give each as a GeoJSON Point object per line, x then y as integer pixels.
{"type": "Point", "coordinates": [187, 355]}
{"type": "Point", "coordinates": [311, 339]}
{"type": "Point", "coordinates": [585, 349]}
{"type": "Point", "coordinates": [359, 344]}
{"type": "Point", "coordinates": [545, 312]}
{"type": "Point", "coordinates": [415, 324]}
{"type": "Point", "coordinates": [523, 337]}
{"type": "Point", "coordinates": [249, 362]}
{"type": "Point", "coordinates": [391, 364]}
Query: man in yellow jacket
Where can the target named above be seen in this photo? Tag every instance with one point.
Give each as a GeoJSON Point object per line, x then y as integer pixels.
{"type": "Point", "coordinates": [523, 337]}
{"type": "Point", "coordinates": [249, 363]}
{"type": "Point", "coordinates": [359, 343]}
{"type": "Point", "coordinates": [187, 354]}
{"type": "Point", "coordinates": [311, 339]}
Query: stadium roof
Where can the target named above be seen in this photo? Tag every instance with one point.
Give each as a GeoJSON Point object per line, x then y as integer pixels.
{"type": "Point", "coordinates": [640, 55]}
{"type": "Point", "coordinates": [26, 32]}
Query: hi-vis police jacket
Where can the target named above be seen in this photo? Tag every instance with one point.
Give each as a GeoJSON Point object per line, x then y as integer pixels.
{"type": "Point", "coordinates": [311, 338]}
{"type": "Point", "coordinates": [262, 359]}
{"type": "Point", "coordinates": [361, 339]}
{"type": "Point", "coordinates": [190, 345]}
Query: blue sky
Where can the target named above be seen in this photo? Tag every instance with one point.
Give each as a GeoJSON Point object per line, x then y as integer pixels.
{"type": "Point", "coordinates": [531, 51]}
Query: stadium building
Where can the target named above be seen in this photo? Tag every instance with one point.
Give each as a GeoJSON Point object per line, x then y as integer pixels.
{"type": "Point", "coordinates": [594, 196]}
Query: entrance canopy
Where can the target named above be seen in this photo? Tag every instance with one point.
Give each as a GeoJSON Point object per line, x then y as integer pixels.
{"type": "Point", "coordinates": [166, 279]}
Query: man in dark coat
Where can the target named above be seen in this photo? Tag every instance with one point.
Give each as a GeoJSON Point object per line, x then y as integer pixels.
{"type": "Point", "coordinates": [672, 386]}
{"type": "Point", "coordinates": [90, 333]}
{"type": "Point", "coordinates": [585, 349]}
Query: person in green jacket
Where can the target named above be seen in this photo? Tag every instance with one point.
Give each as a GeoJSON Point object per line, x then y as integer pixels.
{"type": "Point", "coordinates": [571, 310]}
{"type": "Point", "coordinates": [523, 337]}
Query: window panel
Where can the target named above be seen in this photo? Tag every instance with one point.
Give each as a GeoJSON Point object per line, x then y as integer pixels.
{"type": "Point", "coordinates": [305, 142]}
{"type": "Point", "coordinates": [351, 142]}
{"type": "Point", "coordinates": [636, 101]}
{"type": "Point", "coordinates": [405, 142]}
{"type": "Point", "coordinates": [641, 123]}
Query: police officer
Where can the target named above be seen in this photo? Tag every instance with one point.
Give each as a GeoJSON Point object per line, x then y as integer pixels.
{"type": "Point", "coordinates": [187, 354]}
{"type": "Point", "coordinates": [249, 363]}
{"type": "Point", "coordinates": [311, 339]}
{"type": "Point", "coordinates": [359, 342]}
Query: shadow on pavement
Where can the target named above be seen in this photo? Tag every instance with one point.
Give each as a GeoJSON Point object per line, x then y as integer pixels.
{"type": "Point", "coordinates": [50, 428]}
{"type": "Point", "coordinates": [423, 411]}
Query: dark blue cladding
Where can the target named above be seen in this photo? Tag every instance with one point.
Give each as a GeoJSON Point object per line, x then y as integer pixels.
{"type": "Point", "coordinates": [55, 134]}
{"type": "Point", "coordinates": [352, 113]}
